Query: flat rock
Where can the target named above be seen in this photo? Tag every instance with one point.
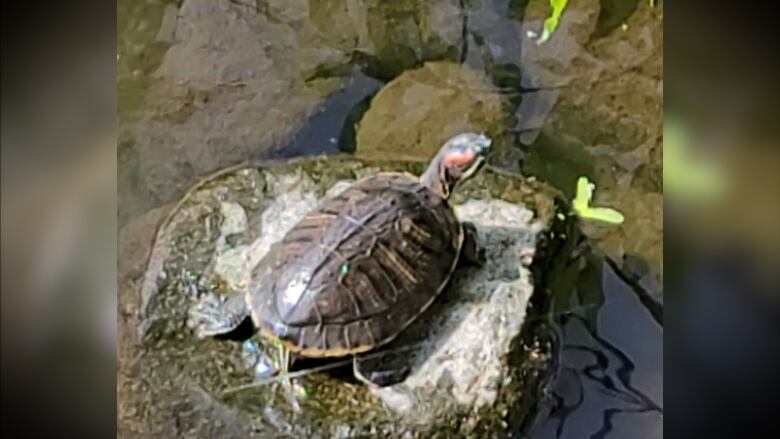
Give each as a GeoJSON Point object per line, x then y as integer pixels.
{"type": "Point", "coordinates": [462, 379]}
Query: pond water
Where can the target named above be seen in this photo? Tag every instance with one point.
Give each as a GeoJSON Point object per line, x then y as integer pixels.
{"type": "Point", "coordinates": [605, 326]}
{"type": "Point", "coordinates": [204, 85]}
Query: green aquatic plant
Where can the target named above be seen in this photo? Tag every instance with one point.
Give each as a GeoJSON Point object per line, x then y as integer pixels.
{"type": "Point", "coordinates": [552, 21]}
{"type": "Point", "coordinates": [583, 209]}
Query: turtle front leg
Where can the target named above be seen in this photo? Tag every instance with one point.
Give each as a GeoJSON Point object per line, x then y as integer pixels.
{"type": "Point", "coordinates": [381, 369]}
{"type": "Point", "coordinates": [471, 252]}
{"type": "Point", "coordinates": [212, 316]}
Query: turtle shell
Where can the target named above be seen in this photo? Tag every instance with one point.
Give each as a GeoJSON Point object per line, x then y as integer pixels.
{"type": "Point", "coordinates": [356, 271]}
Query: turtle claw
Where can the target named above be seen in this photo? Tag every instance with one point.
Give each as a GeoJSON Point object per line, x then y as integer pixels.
{"type": "Point", "coordinates": [384, 378]}
{"type": "Point", "coordinates": [386, 370]}
{"type": "Point", "coordinates": [472, 252]}
{"type": "Point", "coordinates": [211, 316]}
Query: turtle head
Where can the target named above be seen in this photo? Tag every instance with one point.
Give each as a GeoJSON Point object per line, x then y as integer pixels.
{"type": "Point", "coordinates": [459, 158]}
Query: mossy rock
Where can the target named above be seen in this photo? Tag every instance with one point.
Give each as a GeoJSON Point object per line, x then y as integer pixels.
{"type": "Point", "coordinates": [465, 377]}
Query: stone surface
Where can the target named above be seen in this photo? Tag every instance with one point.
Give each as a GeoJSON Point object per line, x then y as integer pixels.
{"type": "Point", "coordinates": [463, 360]}
{"type": "Point", "coordinates": [591, 105]}
{"type": "Point", "coordinates": [605, 71]}
{"type": "Point", "coordinates": [460, 347]}
{"type": "Point", "coordinates": [406, 33]}
{"type": "Point", "coordinates": [390, 37]}
{"type": "Point", "coordinates": [417, 112]}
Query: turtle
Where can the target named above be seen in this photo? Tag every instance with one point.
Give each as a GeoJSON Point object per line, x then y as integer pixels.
{"type": "Point", "coordinates": [358, 269]}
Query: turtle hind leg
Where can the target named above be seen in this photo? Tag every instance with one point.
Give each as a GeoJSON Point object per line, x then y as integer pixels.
{"type": "Point", "coordinates": [381, 370]}
{"type": "Point", "coordinates": [212, 317]}
{"type": "Point", "coordinates": [471, 251]}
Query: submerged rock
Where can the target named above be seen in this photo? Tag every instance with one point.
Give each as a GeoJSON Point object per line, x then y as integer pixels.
{"type": "Point", "coordinates": [229, 85]}
{"type": "Point", "coordinates": [387, 38]}
{"type": "Point", "coordinates": [417, 112]}
{"type": "Point", "coordinates": [219, 81]}
{"type": "Point", "coordinates": [407, 32]}
{"type": "Point", "coordinates": [462, 379]}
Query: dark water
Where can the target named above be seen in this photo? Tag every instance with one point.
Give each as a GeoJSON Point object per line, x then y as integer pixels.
{"type": "Point", "coordinates": [603, 320]}
{"type": "Point", "coordinates": [333, 121]}
{"type": "Point", "coordinates": [608, 379]}
{"type": "Point", "coordinates": [604, 326]}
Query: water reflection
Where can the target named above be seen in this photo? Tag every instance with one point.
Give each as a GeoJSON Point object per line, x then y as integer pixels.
{"type": "Point", "coordinates": [332, 128]}
{"type": "Point", "coordinates": [606, 379]}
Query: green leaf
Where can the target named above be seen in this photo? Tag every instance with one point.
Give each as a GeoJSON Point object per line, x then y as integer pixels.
{"type": "Point", "coordinates": [584, 194]}
{"type": "Point", "coordinates": [603, 214]}
{"type": "Point", "coordinates": [581, 205]}
{"type": "Point", "coordinates": [552, 21]}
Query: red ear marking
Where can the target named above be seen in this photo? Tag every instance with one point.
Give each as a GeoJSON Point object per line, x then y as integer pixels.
{"type": "Point", "coordinates": [459, 158]}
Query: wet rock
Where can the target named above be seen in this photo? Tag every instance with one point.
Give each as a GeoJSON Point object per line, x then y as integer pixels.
{"type": "Point", "coordinates": [390, 37]}
{"type": "Point", "coordinates": [406, 33]}
{"type": "Point", "coordinates": [229, 86]}
{"type": "Point", "coordinates": [607, 116]}
{"type": "Point", "coordinates": [418, 111]}
{"type": "Point", "coordinates": [641, 235]}
{"type": "Point", "coordinates": [213, 83]}
{"type": "Point", "coordinates": [138, 50]}
{"type": "Point", "coordinates": [532, 74]}
{"type": "Point", "coordinates": [563, 59]}
{"type": "Point", "coordinates": [590, 102]}
{"type": "Point", "coordinates": [336, 22]}
{"type": "Point", "coordinates": [461, 379]}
